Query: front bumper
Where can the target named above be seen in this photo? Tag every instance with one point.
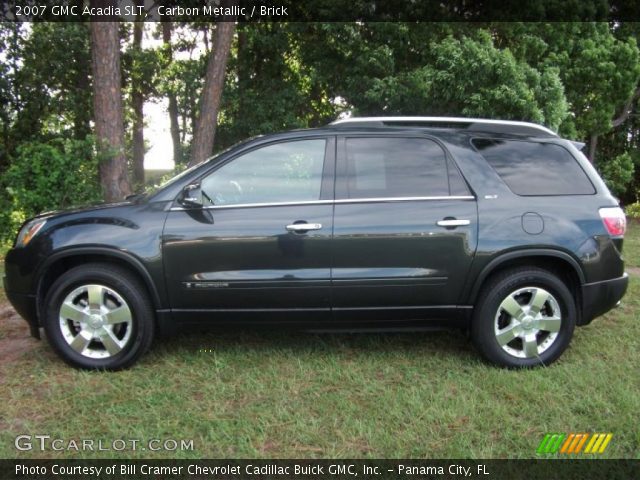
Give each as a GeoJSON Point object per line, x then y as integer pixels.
{"type": "Point", "coordinates": [25, 305]}
{"type": "Point", "coordinates": [600, 297]}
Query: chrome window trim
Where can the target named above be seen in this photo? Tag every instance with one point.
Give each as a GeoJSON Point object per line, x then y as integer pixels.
{"type": "Point", "coordinates": [404, 199]}
{"type": "Point", "coordinates": [331, 202]}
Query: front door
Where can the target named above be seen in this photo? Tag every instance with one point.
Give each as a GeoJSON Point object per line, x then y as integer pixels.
{"type": "Point", "coordinates": [260, 247]}
{"type": "Point", "coordinates": [405, 229]}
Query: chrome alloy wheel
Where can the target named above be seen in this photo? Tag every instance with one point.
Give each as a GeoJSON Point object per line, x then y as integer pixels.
{"type": "Point", "coordinates": [95, 321]}
{"type": "Point", "coordinates": [527, 322]}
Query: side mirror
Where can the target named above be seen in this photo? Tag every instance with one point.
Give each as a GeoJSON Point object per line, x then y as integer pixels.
{"type": "Point", "coordinates": [191, 196]}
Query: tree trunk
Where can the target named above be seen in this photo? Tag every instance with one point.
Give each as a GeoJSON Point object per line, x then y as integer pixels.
{"type": "Point", "coordinates": [242, 69]}
{"type": "Point", "coordinates": [82, 116]}
{"type": "Point", "coordinates": [593, 143]}
{"type": "Point", "coordinates": [107, 106]}
{"type": "Point", "coordinates": [137, 102]}
{"type": "Point", "coordinates": [204, 135]}
{"type": "Point", "coordinates": [626, 110]}
{"type": "Point", "coordinates": [173, 102]}
{"type": "Point", "coordinates": [615, 123]}
{"type": "Point", "coordinates": [242, 47]}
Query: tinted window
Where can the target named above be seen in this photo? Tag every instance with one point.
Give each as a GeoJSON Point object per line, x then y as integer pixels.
{"type": "Point", "coordinates": [395, 167]}
{"type": "Point", "coordinates": [457, 185]}
{"type": "Point", "coordinates": [531, 168]}
{"type": "Point", "coordinates": [285, 172]}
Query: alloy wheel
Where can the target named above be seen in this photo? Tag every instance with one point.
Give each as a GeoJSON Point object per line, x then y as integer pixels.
{"type": "Point", "coordinates": [527, 322]}
{"type": "Point", "coordinates": [96, 321]}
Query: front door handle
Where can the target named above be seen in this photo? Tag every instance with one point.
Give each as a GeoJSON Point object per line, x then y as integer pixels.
{"type": "Point", "coordinates": [303, 227]}
{"type": "Point", "coordinates": [452, 222]}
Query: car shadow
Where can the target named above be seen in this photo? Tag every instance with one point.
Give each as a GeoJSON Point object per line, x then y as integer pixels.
{"type": "Point", "coordinates": [262, 341]}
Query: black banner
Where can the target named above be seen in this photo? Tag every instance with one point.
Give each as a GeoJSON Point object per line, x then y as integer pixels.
{"type": "Point", "coordinates": [542, 469]}
{"type": "Point", "coordinates": [319, 10]}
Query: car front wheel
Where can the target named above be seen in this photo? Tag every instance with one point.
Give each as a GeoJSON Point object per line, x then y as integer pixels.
{"type": "Point", "coordinates": [524, 318]}
{"type": "Point", "coordinates": [98, 316]}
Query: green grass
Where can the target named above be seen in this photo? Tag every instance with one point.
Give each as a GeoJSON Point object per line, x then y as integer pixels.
{"type": "Point", "coordinates": [302, 395]}
{"type": "Point", "coordinates": [631, 247]}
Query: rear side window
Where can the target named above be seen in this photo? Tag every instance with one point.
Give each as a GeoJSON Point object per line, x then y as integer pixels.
{"type": "Point", "coordinates": [399, 167]}
{"type": "Point", "coordinates": [532, 168]}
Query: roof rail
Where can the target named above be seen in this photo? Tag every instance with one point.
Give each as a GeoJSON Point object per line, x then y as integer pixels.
{"type": "Point", "coordinates": [473, 124]}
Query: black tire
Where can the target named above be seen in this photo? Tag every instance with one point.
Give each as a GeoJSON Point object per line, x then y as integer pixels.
{"type": "Point", "coordinates": [490, 320]}
{"type": "Point", "coordinates": [115, 287]}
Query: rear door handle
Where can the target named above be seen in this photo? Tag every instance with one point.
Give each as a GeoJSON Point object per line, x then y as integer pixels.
{"type": "Point", "coordinates": [303, 227]}
{"type": "Point", "coordinates": [452, 222]}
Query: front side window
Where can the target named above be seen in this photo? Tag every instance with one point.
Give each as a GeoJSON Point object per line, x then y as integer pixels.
{"type": "Point", "coordinates": [284, 172]}
{"type": "Point", "coordinates": [396, 167]}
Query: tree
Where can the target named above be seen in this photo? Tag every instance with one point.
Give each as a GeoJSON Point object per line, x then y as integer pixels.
{"type": "Point", "coordinates": [204, 135]}
{"type": "Point", "coordinates": [426, 69]}
{"type": "Point", "coordinates": [171, 96]}
{"type": "Point", "coordinates": [9, 35]}
{"type": "Point", "coordinates": [137, 102]}
{"type": "Point", "coordinates": [108, 113]}
{"type": "Point", "coordinates": [52, 93]}
{"type": "Point", "coordinates": [598, 64]}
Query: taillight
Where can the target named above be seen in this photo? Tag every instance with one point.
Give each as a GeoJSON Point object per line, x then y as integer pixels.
{"type": "Point", "coordinates": [614, 220]}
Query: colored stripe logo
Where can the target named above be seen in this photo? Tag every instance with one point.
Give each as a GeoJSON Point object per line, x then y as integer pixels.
{"type": "Point", "coordinates": [573, 443]}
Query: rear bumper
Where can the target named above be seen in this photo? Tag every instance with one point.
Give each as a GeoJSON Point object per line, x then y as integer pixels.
{"type": "Point", "coordinates": [25, 305]}
{"type": "Point", "coordinates": [600, 297]}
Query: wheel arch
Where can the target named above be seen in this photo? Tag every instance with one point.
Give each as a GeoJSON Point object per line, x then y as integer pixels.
{"type": "Point", "coordinates": [61, 262]}
{"type": "Point", "coordinates": [558, 262]}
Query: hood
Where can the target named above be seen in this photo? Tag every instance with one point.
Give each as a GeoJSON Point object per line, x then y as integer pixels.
{"type": "Point", "coordinates": [83, 209]}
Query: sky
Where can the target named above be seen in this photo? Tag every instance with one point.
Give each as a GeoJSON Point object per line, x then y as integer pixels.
{"type": "Point", "coordinates": [158, 137]}
{"type": "Point", "coordinates": [157, 134]}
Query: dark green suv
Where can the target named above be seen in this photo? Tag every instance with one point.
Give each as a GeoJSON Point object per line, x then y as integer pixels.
{"type": "Point", "coordinates": [502, 228]}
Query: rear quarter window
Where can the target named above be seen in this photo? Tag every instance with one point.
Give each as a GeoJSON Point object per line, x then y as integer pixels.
{"type": "Point", "coordinates": [535, 168]}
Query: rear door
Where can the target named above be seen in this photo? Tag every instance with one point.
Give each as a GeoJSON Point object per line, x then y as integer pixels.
{"type": "Point", "coordinates": [405, 229]}
{"type": "Point", "coordinates": [260, 247]}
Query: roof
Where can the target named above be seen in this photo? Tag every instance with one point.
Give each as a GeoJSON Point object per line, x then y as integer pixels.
{"type": "Point", "coordinates": [458, 123]}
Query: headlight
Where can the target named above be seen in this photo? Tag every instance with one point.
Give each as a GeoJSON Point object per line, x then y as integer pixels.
{"type": "Point", "coordinates": [28, 231]}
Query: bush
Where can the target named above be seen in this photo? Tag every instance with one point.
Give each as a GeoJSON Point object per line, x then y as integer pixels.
{"type": "Point", "coordinates": [618, 173]}
{"type": "Point", "coordinates": [633, 210]}
{"type": "Point", "coordinates": [47, 176]}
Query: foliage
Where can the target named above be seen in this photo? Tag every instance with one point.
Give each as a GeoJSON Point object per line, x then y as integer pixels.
{"type": "Point", "coordinates": [633, 210]}
{"type": "Point", "coordinates": [618, 172]}
{"type": "Point", "coordinates": [599, 71]}
{"type": "Point", "coordinates": [45, 114]}
{"type": "Point", "coordinates": [48, 176]}
{"type": "Point", "coordinates": [470, 77]}
{"type": "Point", "coordinates": [10, 38]}
{"type": "Point", "coordinates": [426, 69]}
{"type": "Point", "coordinates": [52, 90]}
{"type": "Point", "coordinates": [268, 88]}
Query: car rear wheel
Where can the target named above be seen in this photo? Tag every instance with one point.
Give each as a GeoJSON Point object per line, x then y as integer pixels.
{"type": "Point", "coordinates": [98, 316]}
{"type": "Point", "coordinates": [525, 317]}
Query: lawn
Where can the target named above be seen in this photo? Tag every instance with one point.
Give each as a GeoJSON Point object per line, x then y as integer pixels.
{"type": "Point", "coordinates": [303, 395]}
